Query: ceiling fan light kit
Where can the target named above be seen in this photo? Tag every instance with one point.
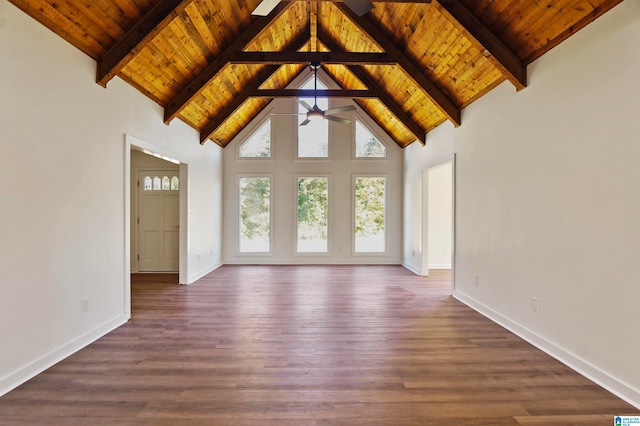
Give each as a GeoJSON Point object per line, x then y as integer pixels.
{"type": "Point", "coordinates": [314, 112]}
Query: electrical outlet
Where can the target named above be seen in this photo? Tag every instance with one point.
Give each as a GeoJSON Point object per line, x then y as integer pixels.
{"type": "Point", "coordinates": [85, 304]}
{"type": "Point", "coordinates": [477, 280]}
{"type": "Point", "coordinates": [413, 253]}
{"type": "Point", "coordinates": [535, 304]}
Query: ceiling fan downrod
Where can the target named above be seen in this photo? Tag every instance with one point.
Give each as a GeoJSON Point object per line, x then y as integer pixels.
{"type": "Point", "coordinates": [315, 66]}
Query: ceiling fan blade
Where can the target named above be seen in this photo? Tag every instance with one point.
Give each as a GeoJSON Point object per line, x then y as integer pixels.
{"type": "Point", "coordinates": [338, 110]}
{"type": "Point", "coordinates": [337, 119]}
{"type": "Point", "coordinates": [304, 104]}
{"type": "Point", "coordinates": [265, 7]}
{"type": "Point", "coordinates": [305, 122]}
{"type": "Point", "coordinates": [359, 7]}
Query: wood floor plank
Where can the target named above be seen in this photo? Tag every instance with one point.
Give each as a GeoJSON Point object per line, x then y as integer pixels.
{"type": "Point", "coordinates": [308, 345]}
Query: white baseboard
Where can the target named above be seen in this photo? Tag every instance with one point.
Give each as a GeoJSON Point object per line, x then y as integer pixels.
{"type": "Point", "coordinates": [440, 266]}
{"type": "Point", "coordinates": [411, 268]}
{"type": "Point", "coordinates": [195, 277]}
{"type": "Point", "coordinates": [20, 376]}
{"type": "Point", "coordinates": [593, 373]}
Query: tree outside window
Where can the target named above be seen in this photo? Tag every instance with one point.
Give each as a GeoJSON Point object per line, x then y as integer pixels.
{"type": "Point", "coordinates": [370, 212]}
{"type": "Point", "coordinates": [255, 215]}
{"type": "Point", "coordinates": [313, 215]}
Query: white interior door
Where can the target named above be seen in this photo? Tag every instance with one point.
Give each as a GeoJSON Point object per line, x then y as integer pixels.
{"type": "Point", "coordinates": [158, 221]}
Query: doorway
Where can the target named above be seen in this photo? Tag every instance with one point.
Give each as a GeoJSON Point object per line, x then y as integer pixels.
{"type": "Point", "coordinates": [438, 218]}
{"type": "Point", "coordinates": [133, 147]}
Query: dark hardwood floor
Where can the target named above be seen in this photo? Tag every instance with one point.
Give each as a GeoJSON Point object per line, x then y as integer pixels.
{"type": "Point", "coordinates": [308, 345]}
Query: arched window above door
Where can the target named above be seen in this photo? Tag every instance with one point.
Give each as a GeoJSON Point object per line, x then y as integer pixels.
{"type": "Point", "coordinates": [164, 184]}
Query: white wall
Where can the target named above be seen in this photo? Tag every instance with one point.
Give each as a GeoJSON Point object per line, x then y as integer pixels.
{"type": "Point", "coordinates": [63, 196]}
{"type": "Point", "coordinates": [548, 203]}
{"type": "Point", "coordinates": [418, 158]}
{"type": "Point", "coordinates": [439, 216]}
{"type": "Point", "coordinates": [284, 166]}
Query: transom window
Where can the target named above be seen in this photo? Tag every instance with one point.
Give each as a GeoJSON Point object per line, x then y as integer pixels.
{"type": "Point", "coordinates": [157, 183]}
{"type": "Point", "coordinates": [259, 144]}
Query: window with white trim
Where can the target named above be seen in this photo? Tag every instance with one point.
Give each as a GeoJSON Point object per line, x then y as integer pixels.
{"type": "Point", "coordinates": [366, 144]}
{"type": "Point", "coordinates": [255, 214]}
{"type": "Point", "coordinates": [259, 144]}
{"type": "Point", "coordinates": [313, 138]}
{"type": "Point", "coordinates": [313, 214]}
{"type": "Point", "coordinates": [370, 214]}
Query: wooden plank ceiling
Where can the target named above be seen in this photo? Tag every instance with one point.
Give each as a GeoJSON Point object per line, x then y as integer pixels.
{"type": "Point", "coordinates": [410, 64]}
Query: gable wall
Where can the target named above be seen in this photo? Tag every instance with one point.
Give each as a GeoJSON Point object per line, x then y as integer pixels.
{"type": "Point", "coordinates": [284, 167]}
{"type": "Point", "coordinates": [548, 201]}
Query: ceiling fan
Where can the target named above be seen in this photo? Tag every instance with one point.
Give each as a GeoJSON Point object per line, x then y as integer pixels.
{"type": "Point", "coordinates": [359, 7]}
{"type": "Point", "coordinates": [314, 112]}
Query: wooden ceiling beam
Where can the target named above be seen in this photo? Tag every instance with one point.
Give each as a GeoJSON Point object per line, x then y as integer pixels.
{"type": "Point", "coordinates": [362, 75]}
{"type": "Point", "coordinates": [389, 102]}
{"type": "Point", "coordinates": [437, 96]}
{"type": "Point", "coordinates": [137, 38]}
{"type": "Point", "coordinates": [376, 1]}
{"type": "Point", "coordinates": [196, 85]}
{"type": "Point", "coordinates": [313, 26]}
{"type": "Point", "coordinates": [496, 51]}
{"type": "Point", "coordinates": [236, 102]}
{"type": "Point", "coordinates": [304, 93]}
{"type": "Point", "coordinates": [382, 126]}
{"type": "Point", "coordinates": [247, 91]}
{"type": "Point", "coordinates": [278, 58]}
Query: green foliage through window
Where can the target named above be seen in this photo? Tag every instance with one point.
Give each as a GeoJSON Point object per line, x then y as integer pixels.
{"type": "Point", "coordinates": [255, 218]}
{"type": "Point", "coordinates": [370, 212]}
{"type": "Point", "coordinates": [312, 214]}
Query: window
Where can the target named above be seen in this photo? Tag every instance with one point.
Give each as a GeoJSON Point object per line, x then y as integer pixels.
{"type": "Point", "coordinates": [313, 138]}
{"type": "Point", "coordinates": [259, 144]}
{"type": "Point", "coordinates": [164, 184]}
{"type": "Point", "coordinates": [367, 145]}
{"type": "Point", "coordinates": [313, 216]}
{"type": "Point", "coordinates": [255, 214]}
{"type": "Point", "coordinates": [370, 209]}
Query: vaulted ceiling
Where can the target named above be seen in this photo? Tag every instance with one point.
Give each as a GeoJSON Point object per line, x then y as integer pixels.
{"type": "Point", "coordinates": [410, 64]}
